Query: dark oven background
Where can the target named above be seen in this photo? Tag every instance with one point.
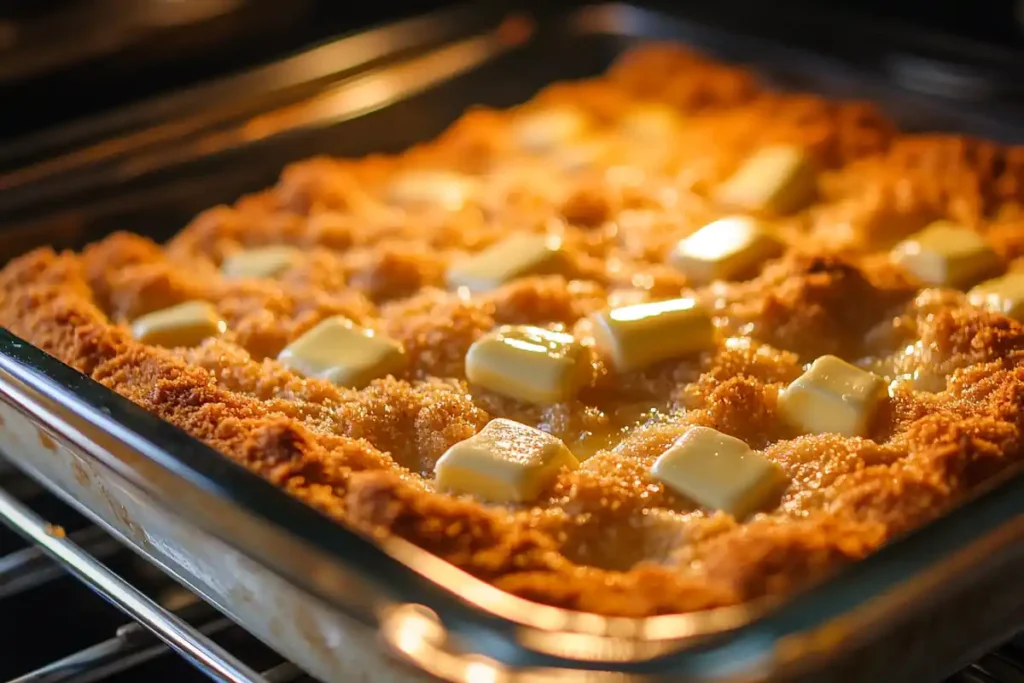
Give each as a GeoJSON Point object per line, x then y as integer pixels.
{"type": "Point", "coordinates": [65, 59]}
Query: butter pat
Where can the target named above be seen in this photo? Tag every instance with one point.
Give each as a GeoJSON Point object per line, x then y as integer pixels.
{"type": "Point", "coordinates": [507, 462]}
{"type": "Point", "coordinates": [1004, 295]}
{"type": "Point", "coordinates": [947, 255]}
{"type": "Point", "coordinates": [727, 249]}
{"type": "Point", "coordinates": [776, 180]}
{"type": "Point", "coordinates": [528, 363]}
{"type": "Point", "coordinates": [515, 257]}
{"type": "Point", "coordinates": [543, 130]}
{"type": "Point", "coordinates": [653, 123]}
{"type": "Point", "coordinates": [719, 472]}
{"type": "Point", "coordinates": [580, 156]}
{"type": "Point", "coordinates": [265, 262]}
{"type": "Point", "coordinates": [634, 337]}
{"type": "Point", "coordinates": [186, 324]}
{"type": "Point", "coordinates": [832, 397]}
{"type": "Point", "coordinates": [438, 188]}
{"type": "Point", "coordinates": [339, 351]}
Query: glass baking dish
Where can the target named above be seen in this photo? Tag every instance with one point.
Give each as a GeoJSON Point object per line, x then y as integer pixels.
{"type": "Point", "coordinates": [344, 607]}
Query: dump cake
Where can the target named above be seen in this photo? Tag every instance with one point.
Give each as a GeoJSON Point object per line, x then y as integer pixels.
{"type": "Point", "coordinates": [653, 342]}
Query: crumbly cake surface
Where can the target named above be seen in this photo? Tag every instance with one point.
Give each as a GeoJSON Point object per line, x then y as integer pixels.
{"type": "Point", "coordinates": [606, 538]}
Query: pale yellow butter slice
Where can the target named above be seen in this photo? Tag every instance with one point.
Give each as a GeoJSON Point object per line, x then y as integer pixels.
{"type": "Point", "coordinates": [719, 471]}
{"type": "Point", "coordinates": [507, 462]}
{"type": "Point", "coordinates": [444, 189]}
{"type": "Point", "coordinates": [585, 154]}
{"type": "Point", "coordinates": [832, 397]}
{"type": "Point", "coordinates": [186, 324]}
{"type": "Point", "coordinates": [1004, 295]}
{"type": "Point", "coordinates": [514, 257]}
{"type": "Point", "coordinates": [264, 262]}
{"type": "Point", "coordinates": [947, 255]}
{"type": "Point", "coordinates": [776, 180]}
{"type": "Point", "coordinates": [634, 337]}
{"type": "Point", "coordinates": [543, 130]}
{"type": "Point", "coordinates": [341, 352]}
{"type": "Point", "coordinates": [652, 123]}
{"type": "Point", "coordinates": [528, 363]}
{"type": "Point", "coordinates": [726, 249]}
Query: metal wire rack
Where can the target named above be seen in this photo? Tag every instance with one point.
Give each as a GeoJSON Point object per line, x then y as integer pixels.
{"type": "Point", "coordinates": [169, 619]}
{"type": "Point", "coordinates": [165, 618]}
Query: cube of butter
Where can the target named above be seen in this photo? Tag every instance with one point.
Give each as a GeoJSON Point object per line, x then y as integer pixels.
{"type": "Point", "coordinates": [776, 180]}
{"type": "Point", "coordinates": [543, 130]}
{"type": "Point", "coordinates": [719, 471]}
{"type": "Point", "coordinates": [444, 189]}
{"type": "Point", "coordinates": [514, 257]}
{"type": "Point", "coordinates": [507, 462]}
{"type": "Point", "coordinates": [580, 156]}
{"type": "Point", "coordinates": [726, 249]}
{"type": "Point", "coordinates": [339, 351]}
{"type": "Point", "coordinates": [528, 363]}
{"type": "Point", "coordinates": [186, 324]}
{"type": "Point", "coordinates": [947, 255]}
{"type": "Point", "coordinates": [832, 397]}
{"type": "Point", "coordinates": [634, 337]}
{"type": "Point", "coordinates": [652, 122]}
{"type": "Point", "coordinates": [1004, 295]}
{"type": "Point", "coordinates": [265, 262]}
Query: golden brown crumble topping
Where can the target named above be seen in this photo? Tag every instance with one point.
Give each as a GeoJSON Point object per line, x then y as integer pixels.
{"type": "Point", "coordinates": [376, 239]}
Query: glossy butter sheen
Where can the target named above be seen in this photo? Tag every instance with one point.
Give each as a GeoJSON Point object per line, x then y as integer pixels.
{"type": "Point", "coordinates": [633, 337]}
{"type": "Point", "coordinates": [186, 324]}
{"type": "Point", "coordinates": [506, 462]}
{"type": "Point", "coordinates": [348, 355]}
{"type": "Point", "coordinates": [1003, 294]}
{"type": "Point", "coordinates": [263, 262]}
{"type": "Point", "coordinates": [652, 123]}
{"type": "Point", "coordinates": [719, 471]}
{"type": "Point", "coordinates": [947, 255]}
{"type": "Point", "coordinates": [727, 249]}
{"type": "Point", "coordinates": [444, 189]}
{"type": "Point", "coordinates": [832, 397]}
{"type": "Point", "coordinates": [543, 130]}
{"type": "Point", "coordinates": [528, 363]}
{"type": "Point", "coordinates": [514, 257]}
{"type": "Point", "coordinates": [775, 180]}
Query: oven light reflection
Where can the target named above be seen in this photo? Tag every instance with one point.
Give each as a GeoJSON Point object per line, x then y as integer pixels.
{"type": "Point", "coordinates": [414, 630]}
{"type": "Point", "coordinates": [481, 672]}
{"type": "Point", "coordinates": [409, 635]}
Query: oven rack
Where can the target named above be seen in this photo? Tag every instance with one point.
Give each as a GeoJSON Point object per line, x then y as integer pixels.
{"type": "Point", "coordinates": [183, 624]}
{"type": "Point", "coordinates": [186, 625]}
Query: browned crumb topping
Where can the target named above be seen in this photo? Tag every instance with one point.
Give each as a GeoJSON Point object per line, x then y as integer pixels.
{"type": "Point", "coordinates": [607, 537]}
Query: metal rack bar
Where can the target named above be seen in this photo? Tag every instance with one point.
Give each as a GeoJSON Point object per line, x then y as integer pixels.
{"type": "Point", "coordinates": [285, 672]}
{"type": "Point", "coordinates": [29, 567]}
{"type": "Point", "coordinates": [206, 655]}
{"type": "Point", "coordinates": [1002, 665]}
{"type": "Point", "coordinates": [973, 675]}
{"type": "Point", "coordinates": [131, 646]}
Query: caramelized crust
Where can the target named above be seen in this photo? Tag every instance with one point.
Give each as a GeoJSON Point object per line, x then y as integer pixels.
{"type": "Point", "coordinates": [606, 538]}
